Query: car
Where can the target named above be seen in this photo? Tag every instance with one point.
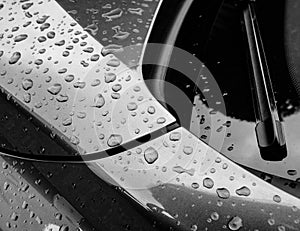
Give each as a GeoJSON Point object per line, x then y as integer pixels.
{"type": "Point", "coordinates": [149, 115]}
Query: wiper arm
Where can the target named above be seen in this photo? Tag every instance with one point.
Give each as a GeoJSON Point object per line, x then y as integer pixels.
{"type": "Point", "coordinates": [269, 130]}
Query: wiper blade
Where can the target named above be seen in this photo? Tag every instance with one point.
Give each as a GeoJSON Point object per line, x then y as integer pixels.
{"type": "Point", "coordinates": [269, 130]}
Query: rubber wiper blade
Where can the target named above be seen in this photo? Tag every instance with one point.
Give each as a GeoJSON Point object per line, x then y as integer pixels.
{"type": "Point", "coordinates": [269, 130]}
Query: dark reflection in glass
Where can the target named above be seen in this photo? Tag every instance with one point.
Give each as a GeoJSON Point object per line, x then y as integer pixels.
{"type": "Point", "coordinates": [214, 33]}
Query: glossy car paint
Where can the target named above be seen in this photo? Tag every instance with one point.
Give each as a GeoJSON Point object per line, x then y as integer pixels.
{"type": "Point", "coordinates": [187, 180]}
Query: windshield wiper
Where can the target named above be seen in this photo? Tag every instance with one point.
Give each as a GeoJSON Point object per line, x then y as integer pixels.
{"type": "Point", "coordinates": [269, 130]}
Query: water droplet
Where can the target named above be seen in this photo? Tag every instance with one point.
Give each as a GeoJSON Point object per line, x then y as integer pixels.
{"type": "Point", "coordinates": [195, 185]}
{"type": "Point", "coordinates": [114, 140]}
{"type": "Point", "coordinates": [95, 82]}
{"type": "Point", "coordinates": [20, 37]}
{"type": "Point", "coordinates": [62, 98]}
{"type": "Point", "coordinates": [81, 115]}
{"type": "Point", "coordinates": [54, 89]}
{"type": "Point", "coordinates": [27, 84]}
{"type": "Point", "coordinates": [208, 183]}
{"type": "Point", "coordinates": [69, 78]}
{"type": "Point", "coordinates": [161, 120]}
{"type": "Point", "coordinates": [67, 121]}
{"type": "Point", "coordinates": [117, 87]}
{"type": "Point", "coordinates": [187, 150]}
{"type": "Point", "coordinates": [243, 191]}
{"type": "Point", "coordinates": [27, 97]}
{"type": "Point", "coordinates": [113, 14]}
{"type": "Point", "coordinates": [277, 198]}
{"type": "Point", "coordinates": [51, 34]}
{"type": "Point", "coordinates": [113, 63]}
{"type": "Point", "coordinates": [109, 77]}
{"type": "Point", "coordinates": [150, 155]}
{"type": "Point", "coordinates": [132, 106]}
{"type": "Point", "coordinates": [235, 223]}
{"type": "Point", "coordinates": [95, 57]}
{"type": "Point", "coordinates": [27, 5]}
{"type": "Point", "coordinates": [99, 101]}
{"type": "Point", "coordinates": [214, 216]}
{"type": "Point", "coordinates": [15, 57]}
{"type": "Point", "coordinates": [175, 136]}
{"type": "Point", "coordinates": [74, 140]}
{"type": "Point", "coordinates": [292, 172]}
{"type": "Point", "coordinates": [111, 49]}
{"type": "Point", "coordinates": [223, 193]}
{"type": "Point", "coordinates": [79, 85]}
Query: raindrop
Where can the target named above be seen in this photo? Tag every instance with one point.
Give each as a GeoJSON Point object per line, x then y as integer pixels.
{"type": "Point", "coordinates": [51, 34]}
{"type": "Point", "coordinates": [111, 49]}
{"type": "Point", "coordinates": [20, 37]}
{"type": "Point", "coordinates": [74, 140]}
{"type": "Point", "coordinates": [187, 150]}
{"type": "Point", "coordinates": [195, 185]}
{"type": "Point", "coordinates": [113, 63]}
{"type": "Point", "coordinates": [27, 5]}
{"type": "Point", "coordinates": [151, 110]}
{"type": "Point", "coordinates": [277, 198]}
{"type": "Point", "coordinates": [69, 78]}
{"type": "Point", "coordinates": [132, 106]}
{"type": "Point", "coordinates": [54, 89]}
{"type": "Point", "coordinates": [175, 136]}
{"type": "Point", "coordinates": [62, 98]}
{"type": "Point", "coordinates": [79, 85]}
{"type": "Point", "coordinates": [99, 101]}
{"type": "Point", "coordinates": [117, 87]}
{"type": "Point", "coordinates": [95, 82]}
{"type": "Point", "coordinates": [243, 191]}
{"type": "Point", "coordinates": [214, 216]}
{"type": "Point", "coordinates": [109, 77]}
{"type": "Point", "coordinates": [113, 14]}
{"type": "Point", "coordinates": [15, 57]}
{"type": "Point", "coordinates": [27, 84]}
{"type": "Point", "coordinates": [292, 172]}
{"type": "Point", "coordinates": [161, 120]}
{"type": "Point", "coordinates": [208, 183]}
{"type": "Point", "coordinates": [223, 193]}
{"type": "Point", "coordinates": [150, 155]}
{"type": "Point", "coordinates": [235, 223]}
{"type": "Point", "coordinates": [67, 121]}
{"type": "Point", "coordinates": [42, 39]}
{"type": "Point", "coordinates": [95, 57]}
{"type": "Point", "coordinates": [114, 140]}
{"type": "Point", "coordinates": [27, 97]}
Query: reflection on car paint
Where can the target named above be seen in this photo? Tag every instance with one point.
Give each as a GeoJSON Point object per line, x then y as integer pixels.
{"type": "Point", "coordinates": [81, 98]}
{"type": "Point", "coordinates": [195, 187]}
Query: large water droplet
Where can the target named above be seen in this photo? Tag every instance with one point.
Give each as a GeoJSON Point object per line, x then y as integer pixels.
{"type": "Point", "coordinates": [27, 84]}
{"type": "Point", "coordinates": [187, 150]}
{"type": "Point", "coordinates": [277, 198]}
{"type": "Point", "coordinates": [113, 63]}
{"type": "Point", "coordinates": [111, 49]}
{"type": "Point", "coordinates": [114, 140]}
{"type": "Point", "coordinates": [20, 37]}
{"type": "Point", "coordinates": [109, 77]}
{"type": "Point", "coordinates": [243, 191]}
{"type": "Point", "coordinates": [175, 136]}
{"type": "Point", "coordinates": [113, 14]}
{"type": "Point", "coordinates": [208, 183]}
{"type": "Point", "coordinates": [132, 106]}
{"type": "Point", "coordinates": [99, 101]}
{"type": "Point", "coordinates": [67, 121]}
{"type": "Point", "coordinates": [15, 57]}
{"type": "Point", "coordinates": [150, 155]}
{"type": "Point", "coordinates": [54, 89]}
{"type": "Point", "coordinates": [223, 193]}
{"type": "Point", "coordinates": [69, 78]}
{"type": "Point", "coordinates": [235, 223]}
